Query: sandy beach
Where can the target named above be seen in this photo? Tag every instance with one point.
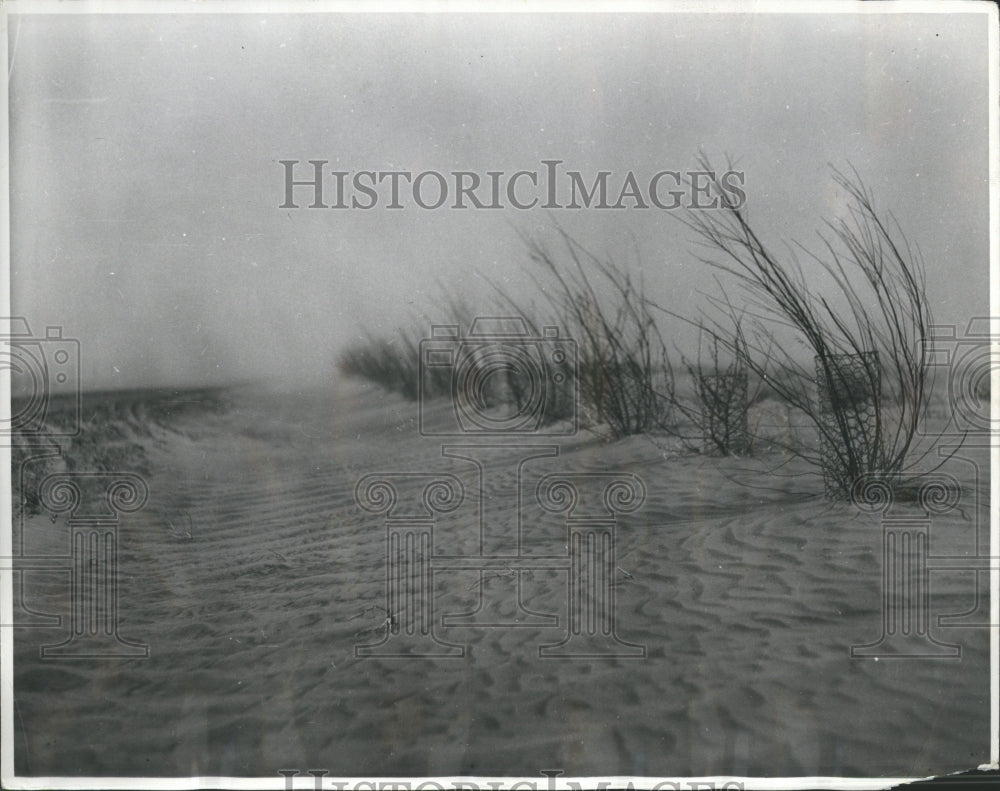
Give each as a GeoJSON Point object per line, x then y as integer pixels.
{"type": "Point", "coordinates": [252, 574]}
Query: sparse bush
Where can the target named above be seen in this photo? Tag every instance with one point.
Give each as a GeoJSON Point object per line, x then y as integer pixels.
{"type": "Point", "coordinates": [391, 363]}
{"type": "Point", "coordinates": [624, 376]}
{"type": "Point", "coordinates": [713, 408]}
{"type": "Point", "coordinates": [875, 311]}
{"type": "Point", "coordinates": [720, 409]}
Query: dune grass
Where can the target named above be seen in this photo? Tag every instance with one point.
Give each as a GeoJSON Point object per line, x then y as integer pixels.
{"type": "Point", "coordinates": [99, 446]}
{"type": "Point", "coordinates": [720, 404]}
{"type": "Point", "coordinates": [392, 363]}
{"type": "Point", "coordinates": [626, 380]}
{"type": "Point", "coordinates": [862, 318]}
{"type": "Point", "coordinates": [864, 383]}
{"type": "Point", "coordinates": [622, 381]}
{"type": "Point", "coordinates": [101, 432]}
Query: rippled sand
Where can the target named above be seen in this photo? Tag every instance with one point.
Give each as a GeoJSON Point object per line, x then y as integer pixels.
{"type": "Point", "coordinates": [252, 574]}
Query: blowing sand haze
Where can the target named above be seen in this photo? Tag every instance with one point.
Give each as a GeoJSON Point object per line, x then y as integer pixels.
{"type": "Point", "coordinates": [435, 395]}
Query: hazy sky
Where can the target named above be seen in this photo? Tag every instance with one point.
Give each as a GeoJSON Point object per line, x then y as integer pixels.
{"type": "Point", "coordinates": [146, 182]}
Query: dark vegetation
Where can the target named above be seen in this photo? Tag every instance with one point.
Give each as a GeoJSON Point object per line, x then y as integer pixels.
{"type": "Point", "coordinates": [857, 307]}
{"type": "Point", "coordinates": [98, 432]}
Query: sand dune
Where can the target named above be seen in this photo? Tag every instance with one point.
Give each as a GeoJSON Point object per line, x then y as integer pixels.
{"type": "Point", "coordinates": [252, 574]}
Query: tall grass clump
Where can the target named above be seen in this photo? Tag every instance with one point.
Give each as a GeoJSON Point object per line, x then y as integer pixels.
{"type": "Point", "coordinates": [624, 376]}
{"type": "Point", "coordinates": [863, 380]}
{"type": "Point", "coordinates": [716, 415]}
{"type": "Point", "coordinates": [391, 363]}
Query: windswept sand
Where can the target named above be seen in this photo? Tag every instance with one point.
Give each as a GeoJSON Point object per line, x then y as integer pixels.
{"type": "Point", "coordinates": [252, 575]}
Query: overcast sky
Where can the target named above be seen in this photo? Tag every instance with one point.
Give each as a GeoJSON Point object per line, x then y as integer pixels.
{"type": "Point", "coordinates": [146, 179]}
